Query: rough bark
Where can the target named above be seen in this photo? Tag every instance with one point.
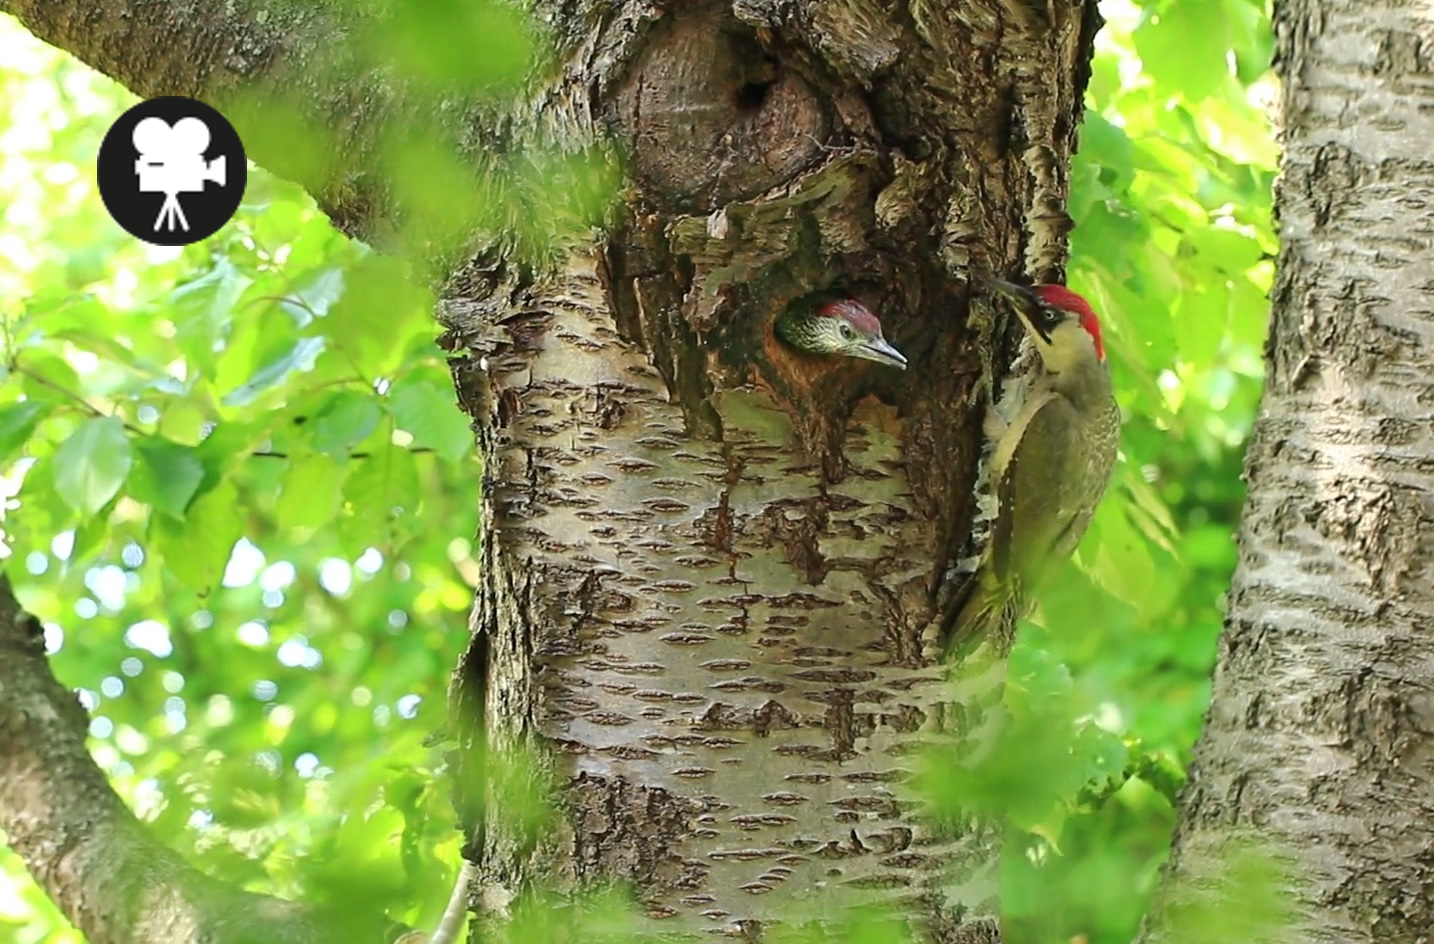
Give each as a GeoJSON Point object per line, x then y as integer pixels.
{"type": "Point", "coordinates": [1317, 741]}
{"type": "Point", "coordinates": [711, 567]}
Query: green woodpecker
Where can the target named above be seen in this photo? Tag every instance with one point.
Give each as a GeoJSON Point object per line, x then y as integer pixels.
{"type": "Point", "coordinates": [1055, 441]}
{"type": "Point", "coordinates": [836, 327]}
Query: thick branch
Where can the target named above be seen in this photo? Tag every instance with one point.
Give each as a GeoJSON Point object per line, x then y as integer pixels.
{"type": "Point", "coordinates": [294, 57]}
{"type": "Point", "coordinates": [84, 847]}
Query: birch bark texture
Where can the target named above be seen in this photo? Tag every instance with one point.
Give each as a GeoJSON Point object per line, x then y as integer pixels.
{"type": "Point", "coordinates": [711, 566]}
{"type": "Point", "coordinates": [1317, 740]}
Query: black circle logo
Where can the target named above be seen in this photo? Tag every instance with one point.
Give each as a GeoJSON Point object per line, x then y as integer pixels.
{"type": "Point", "coordinates": [172, 171]}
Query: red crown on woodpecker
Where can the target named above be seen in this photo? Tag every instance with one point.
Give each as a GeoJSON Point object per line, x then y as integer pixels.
{"type": "Point", "coordinates": [836, 327]}
{"type": "Point", "coordinates": [853, 312]}
{"type": "Point", "coordinates": [1063, 298]}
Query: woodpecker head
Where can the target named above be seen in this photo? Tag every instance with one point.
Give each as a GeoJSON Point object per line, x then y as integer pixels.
{"type": "Point", "coordinates": [1061, 323]}
{"type": "Point", "coordinates": [837, 327]}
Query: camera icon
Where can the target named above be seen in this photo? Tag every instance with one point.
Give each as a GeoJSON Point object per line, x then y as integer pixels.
{"type": "Point", "coordinates": [171, 161]}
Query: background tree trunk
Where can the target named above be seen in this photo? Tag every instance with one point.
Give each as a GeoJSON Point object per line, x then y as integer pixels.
{"type": "Point", "coordinates": [711, 567]}
{"type": "Point", "coordinates": [1318, 734]}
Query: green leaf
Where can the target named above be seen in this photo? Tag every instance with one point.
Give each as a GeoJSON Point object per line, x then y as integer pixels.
{"type": "Point", "coordinates": [315, 295]}
{"type": "Point", "coordinates": [243, 354]}
{"type": "Point", "coordinates": [1230, 252]}
{"type": "Point", "coordinates": [92, 464]}
{"type": "Point", "coordinates": [17, 424]}
{"type": "Point", "coordinates": [1252, 38]}
{"type": "Point", "coordinates": [432, 418]}
{"type": "Point", "coordinates": [197, 549]}
{"type": "Point", "coordinates": [90, 536]}
{"type": "Point", "coordinates": [310, 493]}
{"type": "Point", "coordinates": [167, 476]}
{"type": "Point", "coordinates": [47, 376]}
{"type": "Point", "coordinates": [346, 419]}
{"type": "Point", "coordinates": [298, 358]}
{"type": "Point", "coordinates": [1183, 47]}
{"type": "Point", "coordinates": [203, 309]}
{"type": "Point", "coordinates": [380, 496]}
{"type": "Point", "coordinates": [1109, 146]}
{"type": "Point", "coordinates": [103, 346]}
{"type": "Point", "coordinates": [380, 307]}
{"type": "Point", "coordinates": [1202, 316]}
{"type": "Point", "coordinates": [474, 45]}
{"type": "Point", "coordinates": [228, 443]}
{"type": "Point", "coordinates": [1122, 560]}
{"type": "Point", "coordinates": [45, 315]}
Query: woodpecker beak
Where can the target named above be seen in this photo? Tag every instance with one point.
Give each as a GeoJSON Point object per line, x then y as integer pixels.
{"type": "Point", "coordinates": [1028, 307]}
{"type": "Point", "coordinates": [877, 349]}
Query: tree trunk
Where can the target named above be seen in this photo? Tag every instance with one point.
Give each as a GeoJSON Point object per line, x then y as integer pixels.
{"type": "Point", "coordinates": [1317, 739]}
{"type": "Point", "coordinates": [711, 566]}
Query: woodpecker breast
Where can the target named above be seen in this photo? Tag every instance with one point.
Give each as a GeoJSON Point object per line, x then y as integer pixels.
{"type": "Point", "coordinates": [1051, 469]}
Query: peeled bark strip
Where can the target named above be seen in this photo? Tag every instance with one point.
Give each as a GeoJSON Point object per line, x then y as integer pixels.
{"type": "Point", "coordinates": [1317, 740]}
{"type": "Point", "coordinates": [710, 563]}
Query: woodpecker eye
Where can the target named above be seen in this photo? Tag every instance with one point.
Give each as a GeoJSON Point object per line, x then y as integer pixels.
{"type": "Point", "coordinates": [847, 334]}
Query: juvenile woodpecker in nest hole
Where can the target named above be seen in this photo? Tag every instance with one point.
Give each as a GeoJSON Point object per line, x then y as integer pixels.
{"type": "Point", "coordinates": [836, 327]}
{"type": "Point", "coordinates": [1050, 466]}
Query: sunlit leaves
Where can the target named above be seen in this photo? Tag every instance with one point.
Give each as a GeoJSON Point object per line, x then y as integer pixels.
{"type": "Point", "coordinates": [311, 492]}
{"type": "Point", "coordinates": [265, 521]}
{"type": "Point", "coordinates": [1046, 750]}
{"type": "Point", "coordinates": [166, 476]}
{"type": "Point", "coordinates": [17, 423]}
{"type": "Point", "coordinates": [1173, 237]}
{"type": "Point", "coordinates": [277, 369]}
{"type": "Point", "coordinates": [426, 413]}
{"type": "Point", "coordinates": [381, 496]}
{"type": "Point", "coordinates": [1183, 45]}
{"type": "Point", "coordinates": [379, 308]}
{"type": "Point", "coordinates": [45, 375]}
{"type": "Point", "coordinates": [1170, 193]}
{"type": "Point", "coordinates": [200, 311]}
{"type": "Point", "coordinates": [92, 464]}
{"type": "Point", "coordinates": [345, 420]}
{"type": "Point", "coordinates": [314, 295]}
{"type": "Point", "coordinates": [196, 549]}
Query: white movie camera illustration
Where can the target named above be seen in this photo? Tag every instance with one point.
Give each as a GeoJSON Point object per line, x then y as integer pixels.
{"type": "Point", "coordinates": [171, 162]}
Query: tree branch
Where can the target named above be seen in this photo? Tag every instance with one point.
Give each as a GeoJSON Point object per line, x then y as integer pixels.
{"type": "Point", "coordinates": [307, 107]}
{"type": "Point", "coordinates": [104, 870]}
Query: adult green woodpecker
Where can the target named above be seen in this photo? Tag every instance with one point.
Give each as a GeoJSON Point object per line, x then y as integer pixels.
{"type": "Point", "coordinates": [834, 326]}
{"type": "Point", "coordinates": [1055, 447]}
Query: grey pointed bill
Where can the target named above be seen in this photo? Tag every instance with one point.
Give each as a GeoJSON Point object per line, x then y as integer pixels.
{"type": "Point", "coordinates": [1013, 291]}
{"type": "Point", "coordinates": [877, 349]}
{"type": "Point", "coordinates": [1026, 304]}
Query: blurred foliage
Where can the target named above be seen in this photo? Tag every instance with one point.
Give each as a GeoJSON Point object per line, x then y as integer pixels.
{"type": "Point", "coordinates": [1174, 245]}
{"type": "Point", "coordinates": [220, 461]}
{"type": "Point", "coordinates": [220, 465]}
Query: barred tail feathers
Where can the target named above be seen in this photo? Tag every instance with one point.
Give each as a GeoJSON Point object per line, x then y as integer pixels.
{"type": "Point", "coordinates": [989, 614]}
